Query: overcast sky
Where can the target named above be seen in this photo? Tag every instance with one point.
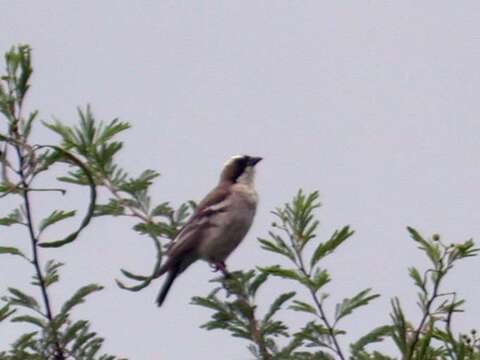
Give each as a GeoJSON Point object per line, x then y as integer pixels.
{"type": "Point", "coordinates": [373, 103]}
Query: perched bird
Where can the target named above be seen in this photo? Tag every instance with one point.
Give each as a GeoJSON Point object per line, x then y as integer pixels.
{"type": "Point", "coordinates": [219, 224]}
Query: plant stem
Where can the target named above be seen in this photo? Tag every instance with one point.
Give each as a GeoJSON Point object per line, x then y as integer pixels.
{"type": "Point", "coordinates": [59, 355]}
{"type": "Point", "coordinates": [134, 212]}
{"type": "Point", "coordinates": [323, 316]}
{"type": "Point", "coordinates": [330, 328]}
{"type": "Point", "coordinates": [427, 313]}
{"type": "Point", "coordinates": [252, 320]}
{"type": "Point", "coordinates": [257, 337]}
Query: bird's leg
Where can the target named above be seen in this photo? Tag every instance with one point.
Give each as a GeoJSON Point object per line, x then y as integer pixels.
{"type": "Point", "coordinates": [220, 266]}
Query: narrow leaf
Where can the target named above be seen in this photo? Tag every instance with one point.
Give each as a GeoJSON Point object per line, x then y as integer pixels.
{"type": "Point", "coordinates": [15, 217]}
{"type": "Point", "coordinates": [29, 319]}
{"type": "Point", "coordinates": [330, 245]}
{"type": "Point", "coordinates": [302, 306]}
{"type": "Point", "coordinates": [347, 306]}
{"type": "Point", "coordinates": [373, 336]}
{"type": "Point", "coordinates": [54, 217]}
{"type": "Point", "coordinates": [277, 304]}
{"type": "Point", "coordinates": [20, 298]}
{"type": "Point", "coordinates": [10, 250]}
{"type": "Point", "coordinates": [79, 297]}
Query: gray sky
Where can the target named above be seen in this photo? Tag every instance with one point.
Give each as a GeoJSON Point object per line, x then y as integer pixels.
{"type": "Point", "coordinates": [373, 103]}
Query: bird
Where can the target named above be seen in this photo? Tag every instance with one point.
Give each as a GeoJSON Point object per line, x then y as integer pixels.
{"type": "Point", "coordinates": [218, 225]}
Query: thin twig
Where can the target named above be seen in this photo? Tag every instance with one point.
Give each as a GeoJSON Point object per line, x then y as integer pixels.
{"type": "Point", "coordinates": [252, 320]}
{"type": "Point", "coordinates": [426, 314]}
{"type": "Point", "coordinates": [323, 317]}
{"type": "Point", "coordinates": [59, 355]}
{"type": "Point", "coordinates": [63, 191]}
{"type": "Point", "coordinates": [133, 212]}
{"type": "Point", "coordinates": [330, 328]}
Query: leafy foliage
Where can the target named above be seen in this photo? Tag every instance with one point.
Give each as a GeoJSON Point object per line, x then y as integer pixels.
{"type": "Point", "coordinates": [293, 231]}
{"type": "Point", "coordinates": [15, 217]}
{"type": "Point", "coordinates": [94, 143]}
{"type": "Point", "coordinates": [237, 313]}
{"type": "Point", "coordinates": [55, 335]}
{"type": "Point", "coordinates": [89, 149]}
{"type": "Point", "coordinates": [432, 337]}
{"type": "Point", "coordinates": [54, 217]}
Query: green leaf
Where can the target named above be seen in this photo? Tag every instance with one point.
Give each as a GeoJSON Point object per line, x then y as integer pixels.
{"type": "Point", "coordinates": [72, 331]}
{"type": "Point", "coordinates": [22, 85]}
{"type": "Point", "coordinates": [27, 125]}
{"type": "Point", "coordinates": [54, 217]}
{"type": "Point", "coordinates": [11, 251]}
{"type": "Point", "coordinates": [303, 306]}
{"type": "Point", "coordinates": [79, 297]}
{"type": "Point", "coordinates": [314, 334]}
{"type": "Point", "coordinates": [68, 136]}
{"type": "Point", "coordinates": [243, 308]}
{"type": "Point", "coordinates": [347, 306]}
{"type": "Point", "coordinates": [299, 218]}
{"type": "Point", "coordinates": [376, 335]}
{"type": "Point", "coordinates": [463, 250]}
{"type": "Point", "coordinates": [432, 249]}
{"type": "Point", "coordinates": [293, 274]}
{"type": "Point", "coordinates": [277, 304]}
{"type": "Point", "coordinates": [164, 209]}
{"type": "Point", "coordinates": [256, 283]}
{"type": "Point", "coordinates": [5, 312]}
{"type": "Point", "coordinates": [82, 339]}
{"type": "Point", "coordinates": [280, 247]}
{"type": "Point", "coordinates": [22, 299]}
{"type": "Point", "coordinates": [140, 183]}
{"type": "Point", "coordinates": [51, 273]}
{"type": "Point", "coordinates": [210, 302]}
{"type": "Point", "coordinates": [134, 276]}
{"type": "Point", "coordinates": [15, 217]}
{"type": "Point", "coordinates": [154, 229]}
{"type": "Point", "coordinates": [330, 245]}
{"type": "Point", "coordinates": [114, 207]}
{"type": "Point", "coordinates": [320, 278]}
{"type": "Point", "coordinates": [75, 177]}
{"type": "Point", "coordinates": [24, 341]}
{"type": "Point", "coordinates": [133, 288]}
{"type": "Point", "coordinates": [59, 243]}
{"type": "Point", "coordinates": [107, 132]}
{"type": "Point", "coordinates": [415, 275]}
{"type": "Point", "coordinates": [29, 319]}
{"type": "Point", "coordinates": [400, 327]}
{"type": "Point", "coordinates": [275, 328]}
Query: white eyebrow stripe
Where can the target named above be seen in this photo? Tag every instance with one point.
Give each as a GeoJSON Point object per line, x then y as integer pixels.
{"type": "Point", "coordinates": [232, 159]}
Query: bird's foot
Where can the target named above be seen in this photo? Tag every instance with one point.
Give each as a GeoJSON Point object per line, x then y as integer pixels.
{"type": "Point", "coordinates": [220, 266]}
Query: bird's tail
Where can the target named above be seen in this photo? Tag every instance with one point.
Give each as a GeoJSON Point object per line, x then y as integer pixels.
{"type": "Point", "coordinates": [172, 274]}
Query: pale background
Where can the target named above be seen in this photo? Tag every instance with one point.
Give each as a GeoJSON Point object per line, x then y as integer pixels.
{"type": "Point", "coordinates": [374, 103]}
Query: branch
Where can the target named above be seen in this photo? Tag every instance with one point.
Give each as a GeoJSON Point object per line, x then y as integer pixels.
{"type": "Point", "coordinates": [331, 328]}
{"type": "Point", "coordinates": [427, 312]}
{"type": "Point", "coordinates": [256, 335]}
{"type": "Point", "coordinates": [59, 355]}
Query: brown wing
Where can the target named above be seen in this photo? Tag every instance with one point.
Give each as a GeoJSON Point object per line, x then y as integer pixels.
{"type": "Point", "coordinates": [216, 196]}
{"type": "Point", "coordinates": [191, 232]}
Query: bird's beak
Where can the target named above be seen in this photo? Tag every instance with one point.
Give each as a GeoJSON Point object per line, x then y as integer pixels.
{"type": "Point", "coordinates": [254, 161]}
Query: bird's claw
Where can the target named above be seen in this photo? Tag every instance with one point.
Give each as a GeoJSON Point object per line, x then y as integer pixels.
{"type": "Point", "coordinates": [220, 266]}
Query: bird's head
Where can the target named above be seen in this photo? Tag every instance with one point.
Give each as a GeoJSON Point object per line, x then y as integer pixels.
{"type": "Point", "coordinates": [240, 169]}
